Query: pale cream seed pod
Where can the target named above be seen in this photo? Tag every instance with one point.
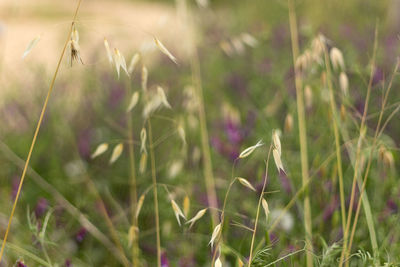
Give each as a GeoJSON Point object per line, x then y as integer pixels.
{"type": "Point", "coordinates": [288, 123]}
{"type": "Point", "coordinates": [344, 83]}
{"type": "Point", "coordinates": [337, 58]}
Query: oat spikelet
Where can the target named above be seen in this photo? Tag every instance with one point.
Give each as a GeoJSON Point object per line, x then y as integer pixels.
{"type": "Point", "coordinates": [31, 45]}
{"type": "Point", "coordinates": [163, 97]}
{"type": "Point", "coordinates": [175, 168]}
{"type": "Point", "coordinates": [265, 207]}
{"type": "Point", "coordinates": [308, 96]}
{"type": "Point", "coordinates": [120, 62]}
{"type": "Point", "coordinates": [249, 39]}
{"type": "Point", "coordinates": [215, 235]}
{"type": "Point", "coordinates": [132, 65]}
{"type": "Point", "coordinates": [143, 163]}
{"type": "Point", "coordinates": [182, 134]}
{"type": "Point", "coordinates": [246, 183]}
{"type": "Point", "coordinates": [116, 153]}
{"type": "Point", "coordinates": [145, 74]}
{"type": "Point", "coordinates": [134, 100]}
{"type": "Point", "coordinates": [139, 205]}
{"type": "Point", "coordinates": [73, 47]}
{"type": "Point", "coordinates": [288, 123]}
{"type": "Point", "coordinates": [249, 150]}
{"type": "Point", "coordinates": [143, 137]}
{"type": "Point", "coordinates": [197, 217]}
{"type": "Point", "coordinates": [74, 52]}
{"type": "Point", "coordinates": [337, 58]}
{"type": "Point", "coordinates": [100, 150]}
{"type": "Point", "coordinates": [178, 212]}
{"type": "Point", "coordinates": [75, 35]}
{"type": "Point", "coordinates": [344, 83]}
{"type": "Point", "coordinates": [164, 50]}
{"type": "Point", "coordinates": [277, 141]}
{"type": "Point", "coordinates": [226, 47]}
{"type": "Point", "coordinates": [277, 159]}
{"type": "Point", "coordinates": [108, 50]}
{"type": "Point", "coordinates": [218, 263]}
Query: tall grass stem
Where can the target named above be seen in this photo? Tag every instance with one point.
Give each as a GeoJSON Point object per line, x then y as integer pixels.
{"type": "Point", "coordinates": [37, 131]}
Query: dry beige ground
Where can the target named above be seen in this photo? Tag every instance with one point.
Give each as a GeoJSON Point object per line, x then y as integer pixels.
{"type": "Point", "coordinates": [128, 25]}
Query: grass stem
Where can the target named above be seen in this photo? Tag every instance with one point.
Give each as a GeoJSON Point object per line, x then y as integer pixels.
{"type": "Point", "coordinates": [358, 152]}
{"type": "Point", "coordinates": [258, 206]}
{"type": "Point", "coordinates": [37, 131]}
{"type": "Point", "coordinates": [155, 192]}
{"type": "Point", "coordinates": [337, 138]}
{"type": "Point", "coordinates": [302, 133]}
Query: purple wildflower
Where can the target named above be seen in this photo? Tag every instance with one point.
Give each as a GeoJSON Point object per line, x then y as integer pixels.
{"type": "Point", "coordinates": [164, 260]}
{"type": "Point", "coordinates": [41, 207]}
{"type": "Point", "coordinates": [20, 263]}
{"type": "Point", "coordinates": [68, 263]}
{"type": "Point", "coordinates": [80, 236]}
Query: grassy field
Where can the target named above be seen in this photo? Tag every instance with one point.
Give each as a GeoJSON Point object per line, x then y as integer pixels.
{"type": "Point", "coordinates": [199, 133]}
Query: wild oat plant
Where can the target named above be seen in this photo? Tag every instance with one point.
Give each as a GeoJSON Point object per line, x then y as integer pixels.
{"type": "Point", "coordinates": [265, 136]}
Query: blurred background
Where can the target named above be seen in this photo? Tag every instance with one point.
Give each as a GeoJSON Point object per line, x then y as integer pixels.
{"type": "Point", "coordinates": [247, 76]}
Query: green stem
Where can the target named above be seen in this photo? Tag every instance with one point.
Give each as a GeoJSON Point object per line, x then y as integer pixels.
{"type": "Point", "coordinates": [133, 191]}
{"type": "Point", "coordinates": [205, 145]}
{"type": "Point", "coordinates": [258, 206]}
{"type": "Point", "coordinates": [155, 192]}
{"type": "Point", "coordinates": [337, 138]}
{"type": "Point", "coordinates": [302, 134]}
{"type": "Point", "coordinates": [374, 143]}
{"type": "Point", "coordinates": [344, 253]}
{"type": "Point", "coordinates": [233, 180]}
{"type": "Point", "coordinates": [46, 101]}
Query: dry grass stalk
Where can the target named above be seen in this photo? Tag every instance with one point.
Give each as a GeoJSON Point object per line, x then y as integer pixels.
{"type": "Point", "coordinates": [37, 132]}
{"type": "Point", "coordinates": [302, 132]}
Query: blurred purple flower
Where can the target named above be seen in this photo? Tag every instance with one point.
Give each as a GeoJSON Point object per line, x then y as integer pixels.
{"type": "Point", "coordinates": [227, 150]}
{"type": "Point", "coordinates": [15, 185]}
{"type": "Point", "coordinates": [41, 207]}
{"type": "Point", "coordinates": [378, 76]}
{"type": "Point", "coordinates": [273, 237]}
{"type": "Point", "coordinates": [20, 263]}
{"type": "Point", "coordinates": [391, 206]}
{"type": "Point", "coordinates": [80, 235]}
{"type": "Point", "coordinates": [233, 132]}
{"type": "Point", "coordinates": [164, 260]}
{"type": "Point", "coordinates": [68, 263]}
{"type": "Point", "coordinates": [330, 208]}
{"type": "Point", "coordinates": [84, 143]}
{"type": "Point", "coordinates": [117, 94]}
{"type": "Point", "coordinates": [237, 83]}
{"type": "Point", "coordinates": [286, 185]}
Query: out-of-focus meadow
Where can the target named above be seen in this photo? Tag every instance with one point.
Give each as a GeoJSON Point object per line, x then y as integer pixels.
{"type": "Point", "coordinates": [147, 155]}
